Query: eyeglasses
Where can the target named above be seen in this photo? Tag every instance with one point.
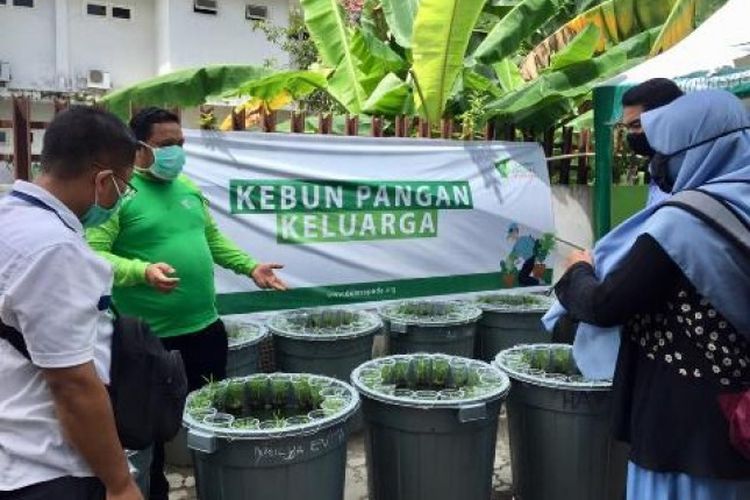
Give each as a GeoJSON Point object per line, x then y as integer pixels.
{"type": "Point", "coordinates": [128, 191]}
{"type": "Point", "coordinates": [631, 125]}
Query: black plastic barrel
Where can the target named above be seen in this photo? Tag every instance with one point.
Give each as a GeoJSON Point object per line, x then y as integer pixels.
{"type": "Point", "coordinates": [330, 342]}
{"type": "Point", "coordinates": [243, 357]}
{"type": "Point", "coordinates": [508, 320]}
{"type": "Point", "coordinates": [430, 444]}
{"type": "Point", "coordinates": [558, 423]}
{"type": "Point", "coordinates": [289, 460]}
{"type": "Point", "coordinates": [438, 326]}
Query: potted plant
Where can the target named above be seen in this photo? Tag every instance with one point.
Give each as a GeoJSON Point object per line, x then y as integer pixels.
{"type": "Point", "coordinates": [270, 431]}
{"type": "Point", "coordinates": [545, 245]}
{"type": "Point", "coordinates": [509, 319]}
{"type": "Point", "coordinates": [431, 326]}
{"type": "Point", "coordinates": [570, 426]}
{"type": "Point", "coordinates": [432, 411]}
{"type": "Point", "coordinates": [330, 342]}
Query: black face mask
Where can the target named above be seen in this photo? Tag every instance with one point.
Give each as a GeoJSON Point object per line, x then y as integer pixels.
{"type": "Point", "coordinates": [659, 165]}
{"type": "Point", "coordinates": [639, 144]}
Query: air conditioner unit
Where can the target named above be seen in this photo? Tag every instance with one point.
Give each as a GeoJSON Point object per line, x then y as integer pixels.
{"type": "Point", "coordinates": [4, 72]}
{"type": "Point", "coordinates": [206, 6]}
{"type": "Point", "coordinates": [98, 79]}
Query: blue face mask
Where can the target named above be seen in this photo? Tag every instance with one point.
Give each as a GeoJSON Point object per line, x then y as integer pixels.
{"type": "Point", "coordinates": [97, 214]}
{"type": "Point", "coordinates": [168, 162]}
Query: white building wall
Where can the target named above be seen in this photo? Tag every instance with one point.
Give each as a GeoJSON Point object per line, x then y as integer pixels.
{"type": "Point", "coordinates": [197, 39]}
{"type": "Point", "coordinates": [126, 48]}
{"type": "Point", "coordinates": [27, 42]}
{"type": "Point", "coordinates": [53, 45]}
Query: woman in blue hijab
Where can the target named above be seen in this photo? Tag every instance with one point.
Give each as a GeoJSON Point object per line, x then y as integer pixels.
{"type": "Point", "coordinates": [673, 295]}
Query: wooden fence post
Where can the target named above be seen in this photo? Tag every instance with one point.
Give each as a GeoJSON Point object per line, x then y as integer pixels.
{"type": "Point", "coordinates": [351, 125]}
{"type": "Point", "coordinates": [238, 119]}
{"type": "Point", "coordinates": [22, 138]}
{"type": "Point", "coordinates": [377, 126]}
{"type": "Point", "coordinates": [325, 123]}
{"type": "Point", "coordinates": [298, 122]}
{"type": "Point", "coordinates": [567, 149]}
{"type": "Point", "coordinates": [446, 128]}
{"type": "Point", "coordinates": [424, 128]}
{"type": "Point", "coordinates": [584, 147]}
{"type": "Point", "coordinates": [269, 120]}
{"type": "Point", "coordinates": [400, 126]}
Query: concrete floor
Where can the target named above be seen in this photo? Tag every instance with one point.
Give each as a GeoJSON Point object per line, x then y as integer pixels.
{"type": "Point", "coordinates": [183, 482]}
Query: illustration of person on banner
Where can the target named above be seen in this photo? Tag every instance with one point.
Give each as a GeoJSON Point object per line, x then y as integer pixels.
{"type": "Point", "coordinates": [163, 244]}
{"type": "Point", "coordinates": [531, 253]}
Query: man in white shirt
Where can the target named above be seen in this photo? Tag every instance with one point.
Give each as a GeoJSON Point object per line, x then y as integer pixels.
{"type": "Point", "coordinates": [58, 438]}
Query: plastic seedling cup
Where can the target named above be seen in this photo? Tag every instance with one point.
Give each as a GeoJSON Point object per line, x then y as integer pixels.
{"type": "Point", "coordinates": [440, 372]}
{"type": "Point", "coordinates": [331, 392]}
{"type": "Point", "coordinates": [333, 403]}
{"type": "Point", "coordinates": [280, 388]}
{"type": "Point", "coordinates": [371, 376]}
{"type": "Point", "coordinates": [317, 414]}
{"type": "Point", "coordinates": [247, 423]}
{"type": "Point", "coordinates": [459, 374]}
{"type": "Point", "coordinates": [451, 394]}
{"type": "Point", "coordinates": [303, 393]}
{"type": "Point", "coordinates": [403, 393]}
{"type": "Point", "coordinates": [297, 420]}
{"type": "Point", "coordinates": [201, 413]}
{"type": "Point", "coordinates": [426, 395]}
{"type": "Point", "coordinates": [219, 420]}
{"type": "Point", "coordinates": [423, 366]}
{"type": "Point", "coordinates": [235, 397]}
{"type": "Point", "coordinates": [401, 372]}
{"type": "Point", "coordinates": [387, 371]}
{"type": "Point", "coordinates": [540, 359]}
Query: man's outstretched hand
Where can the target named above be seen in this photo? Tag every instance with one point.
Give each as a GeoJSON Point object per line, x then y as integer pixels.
{"type": "Point", "coordinates": [264, 276]}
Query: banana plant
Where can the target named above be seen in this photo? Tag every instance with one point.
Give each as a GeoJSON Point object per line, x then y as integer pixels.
{"type": "Point", "coordinates": [328, 28]}
{"type": "Point", "coordinates": [441, 35]}
{"type": "Point", "coordinates": [619, 20]}
{"type": "Point", "coordinates": [189, 87]}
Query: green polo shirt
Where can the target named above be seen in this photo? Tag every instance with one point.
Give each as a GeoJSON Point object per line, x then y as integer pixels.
{"type": "Point", "coordinates": [167, 222]}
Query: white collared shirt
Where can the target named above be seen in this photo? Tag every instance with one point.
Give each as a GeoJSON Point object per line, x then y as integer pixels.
{"type": "Point", "coordinates": [51, 288]}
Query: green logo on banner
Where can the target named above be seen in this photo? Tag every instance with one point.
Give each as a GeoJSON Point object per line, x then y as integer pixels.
{"type": "Point", "coordinates": [310, 211]}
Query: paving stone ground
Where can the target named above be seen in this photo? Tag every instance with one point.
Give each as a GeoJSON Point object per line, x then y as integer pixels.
{"type": "Point", "coordinates": [183, 482]}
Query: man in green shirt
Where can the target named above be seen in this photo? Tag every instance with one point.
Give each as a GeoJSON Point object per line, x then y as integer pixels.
{"type": "Point", "coordinates": [163, 244]}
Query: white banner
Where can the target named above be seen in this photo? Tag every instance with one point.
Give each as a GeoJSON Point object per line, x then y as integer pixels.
{"type": "Point", "coordinates": [369, 219]}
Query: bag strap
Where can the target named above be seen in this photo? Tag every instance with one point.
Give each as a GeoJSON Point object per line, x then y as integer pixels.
{"type": "Point", "coordinates": [15, 339]}
{"type": "Point", "coordinates": [716, 213]}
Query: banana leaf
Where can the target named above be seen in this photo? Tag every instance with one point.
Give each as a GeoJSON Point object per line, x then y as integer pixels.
{"type": "Point", "coordinates": [400, 15]}
{"type": "Point", "coordinates": [680, 23]}
{"type": "Point", "coordinates": [188, 87]}
{"type": "Point", "coordinates": [325, 22]}
{"type": "Point", "coordinates": [508, 75]}
{"type": "Point", "coordinates": [479, 83]}
{"type": "Point", "coordinates": [295, 83]}
{"type": "Point", "coordinates": [558, 90]}
{"type": "Point", "coordinates": [373, 20]}
{"type": "Point", "coordinates": [507, 35]}
{"type": "Point", "coordinates": [254, 109]}
{"type": "Point", "coordinates": [375, 59]}
{"type": "Point", "coordinates": [347, 88]}
{"type": "Point", "coordinates": [389, 98]}
{"type": "Point", "coordinates": [442, 30]}
{"type": "Point", "coordinates": [581, 48]}
{"type": "Point", "coordinates": [617, 21]}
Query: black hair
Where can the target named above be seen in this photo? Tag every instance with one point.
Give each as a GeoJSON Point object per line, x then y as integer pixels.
{"type": "Point", "coordinates": [81, 136]}
{"type": "Point", "coordinates": [652, 94]}
{"type": "Point", "coordinates": [142, 123]}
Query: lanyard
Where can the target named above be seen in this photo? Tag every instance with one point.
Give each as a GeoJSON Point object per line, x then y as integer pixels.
{"type": "Point", "coordinates": [39, 204]}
